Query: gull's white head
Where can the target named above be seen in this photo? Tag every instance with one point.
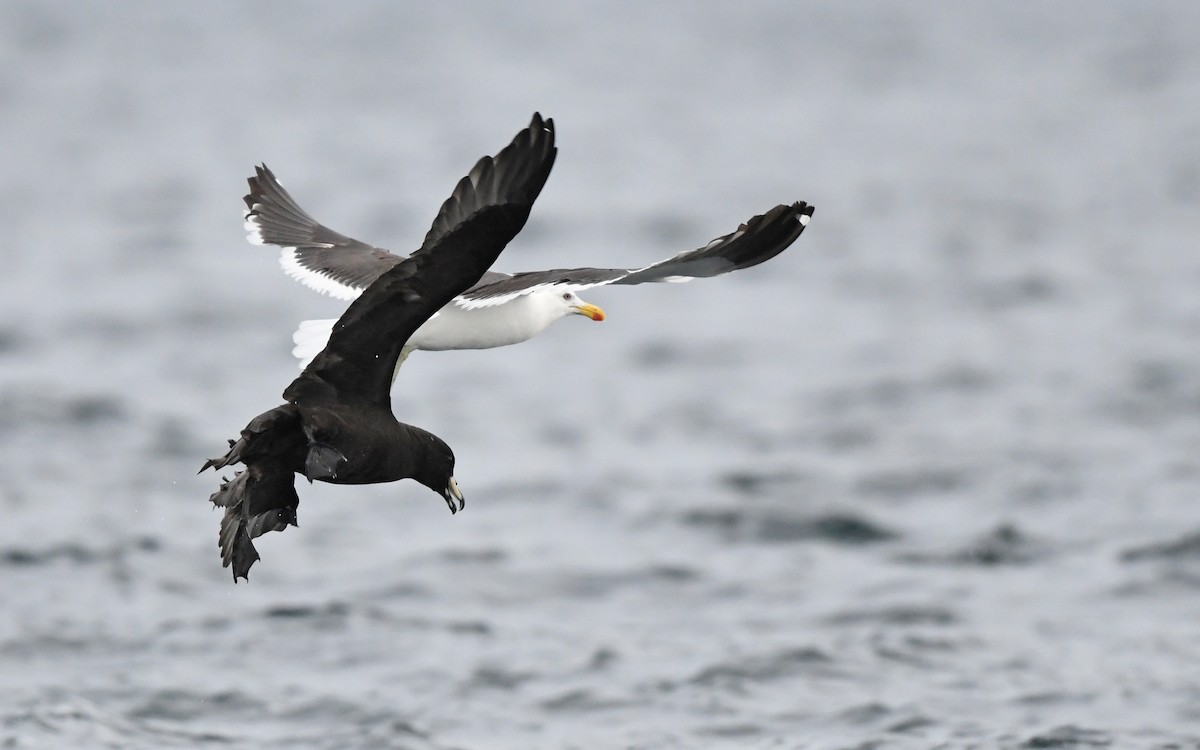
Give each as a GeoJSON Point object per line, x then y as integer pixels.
{"type": "Point", "coordinates": [572, 305]}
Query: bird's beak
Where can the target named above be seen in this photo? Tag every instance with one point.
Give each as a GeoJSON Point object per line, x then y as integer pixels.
{"type": "Point", "coordinates": [453, 493]}
{"type": "Point", "coordinates": [590, 311]}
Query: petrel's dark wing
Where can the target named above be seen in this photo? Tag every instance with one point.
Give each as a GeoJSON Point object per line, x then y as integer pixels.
{"type": "Point", "coordinates": [490, 204]}
{"type": "Point", "coordinates": [759, 239]}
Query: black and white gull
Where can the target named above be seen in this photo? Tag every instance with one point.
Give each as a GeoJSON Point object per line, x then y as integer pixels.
{"type": "Point", "coordinates": [500, 309]}
{"type": "Point", "coordinates": [337, 423]}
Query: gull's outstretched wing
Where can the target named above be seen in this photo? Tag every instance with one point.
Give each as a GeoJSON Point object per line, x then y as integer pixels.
{"type": "Point", "coordinates": [311, 253]}
{"type": "Point", "coordinates": [759, 239]}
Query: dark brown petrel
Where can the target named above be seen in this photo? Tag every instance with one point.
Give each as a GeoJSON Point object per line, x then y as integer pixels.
{"type": "Point", "coordinates": [337, 425]}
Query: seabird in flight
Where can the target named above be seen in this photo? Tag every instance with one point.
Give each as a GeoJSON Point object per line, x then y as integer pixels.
{"type": "Point", "coordinates": [337, 423]}
{"type": "Point", "coordinates": [500, 309]}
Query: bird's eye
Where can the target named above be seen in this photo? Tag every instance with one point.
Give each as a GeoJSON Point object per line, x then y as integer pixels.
{"type": "Point", "coordinates": [567, 295]}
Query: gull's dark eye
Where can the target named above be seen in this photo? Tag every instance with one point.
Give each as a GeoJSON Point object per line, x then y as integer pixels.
{"type": "Point", "coordinates": [567, 295]}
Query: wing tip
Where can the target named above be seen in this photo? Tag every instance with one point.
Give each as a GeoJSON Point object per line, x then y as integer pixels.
{"type": "Point", "coordinates": [261, 174]}
{"type": "Point", "coordinates": [515, 175]}
{"type": "Point", "coordinates": [804, 212]}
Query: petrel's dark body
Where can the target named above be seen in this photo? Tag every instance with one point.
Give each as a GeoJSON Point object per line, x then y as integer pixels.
{"type": "Point", "coordinates": [337, 425]}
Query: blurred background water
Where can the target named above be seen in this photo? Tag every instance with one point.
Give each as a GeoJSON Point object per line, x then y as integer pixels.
{"type": "Point", "coordinates": [927, 479]}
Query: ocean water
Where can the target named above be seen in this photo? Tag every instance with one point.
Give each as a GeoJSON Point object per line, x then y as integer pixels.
{"type": "Point", "coordinates": [926, 480]}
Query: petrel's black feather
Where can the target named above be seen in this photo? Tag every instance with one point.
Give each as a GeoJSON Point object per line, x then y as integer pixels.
{"type": "Point", "coordinates": [491, 205]}
{"type": "Point", "coordinates": [338, 425]}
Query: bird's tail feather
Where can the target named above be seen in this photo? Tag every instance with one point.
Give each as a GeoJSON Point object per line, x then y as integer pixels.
{"type": "Point", "coordinates": [310, 338]}
{"type": "Point", "coordinates": [255, 502]}
{"type": "Point", "coordinates": [263, 497]}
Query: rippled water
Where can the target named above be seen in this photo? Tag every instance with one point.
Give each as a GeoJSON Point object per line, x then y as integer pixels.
{"type": "Point", "coordinates": [928, 479]}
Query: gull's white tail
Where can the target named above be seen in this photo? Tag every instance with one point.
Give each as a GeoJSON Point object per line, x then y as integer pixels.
{"type": "Point", "coordinates": [310, 338]}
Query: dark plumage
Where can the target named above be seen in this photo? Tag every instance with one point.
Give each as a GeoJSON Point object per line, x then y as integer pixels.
{"type": "Point", "coordinates": [337, 425]}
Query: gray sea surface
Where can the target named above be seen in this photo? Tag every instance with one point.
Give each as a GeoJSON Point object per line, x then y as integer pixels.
{"type": "Point", "coordinates": [926, 480]}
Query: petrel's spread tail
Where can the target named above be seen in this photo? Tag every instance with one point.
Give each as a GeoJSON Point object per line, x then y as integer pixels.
{"type": "Point", "coordinates": [253, 506]}
{"type": "Point", "coordinates": [263, 497]}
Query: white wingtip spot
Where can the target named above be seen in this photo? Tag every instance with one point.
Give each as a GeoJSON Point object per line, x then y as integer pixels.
{"type": "Point", "coordinates": [804, 218]}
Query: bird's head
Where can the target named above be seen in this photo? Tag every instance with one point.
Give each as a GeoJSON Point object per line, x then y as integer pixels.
{"type": "Point", "coordinates": [436, 471]}
{"type": "Point", "coordinates": [572, 305]}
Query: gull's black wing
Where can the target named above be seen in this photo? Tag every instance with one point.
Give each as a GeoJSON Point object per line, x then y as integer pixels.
{"type": "Point", "coordinates": [758, 240]}
{"type": "Point", "coordinates": [490, 206]}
